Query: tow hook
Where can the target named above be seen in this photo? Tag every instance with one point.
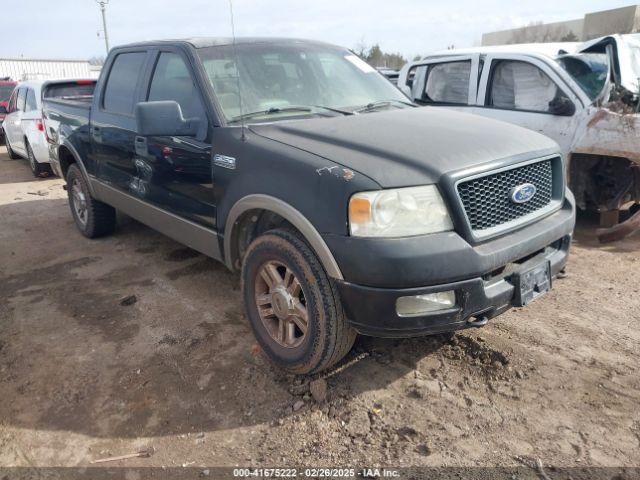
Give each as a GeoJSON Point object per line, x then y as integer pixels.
{"type": "Point", "coordinates": [478, 321]}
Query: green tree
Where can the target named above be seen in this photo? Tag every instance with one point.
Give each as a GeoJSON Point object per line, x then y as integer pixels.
{"type": "Point", "coordinates": [376, 57]}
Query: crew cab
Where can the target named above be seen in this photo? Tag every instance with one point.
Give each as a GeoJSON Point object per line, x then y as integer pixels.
{"type": "Point", "coordinates": [585, 96]}
{"type": "Point", "coordinates": [346, 208]}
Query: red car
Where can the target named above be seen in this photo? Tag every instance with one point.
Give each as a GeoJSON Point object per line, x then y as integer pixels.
{"type": "Point", "coordinates": [6, 88]}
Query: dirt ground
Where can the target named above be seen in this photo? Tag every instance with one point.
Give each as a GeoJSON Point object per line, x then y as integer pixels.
{"type": "Point", "coordinates": [85, 375]}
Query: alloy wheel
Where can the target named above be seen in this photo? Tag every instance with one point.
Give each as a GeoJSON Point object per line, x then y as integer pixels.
{"type": "Point", "coordinates": [281, 304]}
{"type": "Point", "coordinates": [79, 201]}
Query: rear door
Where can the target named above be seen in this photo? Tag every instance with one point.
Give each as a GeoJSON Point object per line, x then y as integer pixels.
{"type": "Point", "coordinates": [113, 124]}
{"type": "Point", "coordinates": [450, 82]}
{"type": "Point", "coordinates": [525, 91]}
{"type": "Point", "coordinates": [13, 121]}
{"type": "Point", "coordinates": [174, 172]}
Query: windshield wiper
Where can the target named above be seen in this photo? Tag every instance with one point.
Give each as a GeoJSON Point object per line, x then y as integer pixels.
{"type": "Point", "coordinates": [292, 108]}
{"type": "Point", "coordinates": [270, 111]}
{"type": "Point", "coordinates": [381, 103]}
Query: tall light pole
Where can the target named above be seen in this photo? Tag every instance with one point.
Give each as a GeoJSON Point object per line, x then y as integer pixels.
{"type": "Point", "coordinates": [103, 4]}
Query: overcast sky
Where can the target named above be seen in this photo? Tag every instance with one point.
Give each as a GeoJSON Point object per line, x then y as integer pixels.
{"type": "Point", "coordinates": [68, 28]}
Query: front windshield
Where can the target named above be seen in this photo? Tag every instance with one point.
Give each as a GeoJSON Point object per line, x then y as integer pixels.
{"type": "Point", "coordinates": [589, 70]}
{"type": "Point", "coordinates": [275, 77]}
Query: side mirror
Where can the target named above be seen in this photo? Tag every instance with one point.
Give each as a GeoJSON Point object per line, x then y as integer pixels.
{"type": "Point", "coordinates": [3, 110]}
{"type": "Point", "coordinates": [164, 119]}
{"type": "Point", "coordinates": [562, 106]}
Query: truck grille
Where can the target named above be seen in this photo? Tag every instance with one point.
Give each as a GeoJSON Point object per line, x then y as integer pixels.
{"type": "Point", "coordinates": [487, 200]}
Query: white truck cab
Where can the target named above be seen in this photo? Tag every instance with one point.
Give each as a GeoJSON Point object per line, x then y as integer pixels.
{"type": "Point", "coordinates": [583, 96]}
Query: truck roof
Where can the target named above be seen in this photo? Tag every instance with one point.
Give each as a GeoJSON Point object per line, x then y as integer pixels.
{"type": "Point", "coordinates": [202, 42]}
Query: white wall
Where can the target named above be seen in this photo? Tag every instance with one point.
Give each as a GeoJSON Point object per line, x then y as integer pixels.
{"type": "Point", "coordinates": [33, 69]}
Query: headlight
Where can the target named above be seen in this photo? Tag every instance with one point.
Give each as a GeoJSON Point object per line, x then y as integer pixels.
{"type": "Point", "coordinates": [401, 212]}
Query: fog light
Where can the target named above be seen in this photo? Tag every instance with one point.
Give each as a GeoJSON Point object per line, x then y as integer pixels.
{"type": "Point", "coordinates": [421, 304]}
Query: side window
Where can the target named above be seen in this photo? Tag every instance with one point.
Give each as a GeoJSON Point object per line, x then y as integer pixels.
{"type": "Point", "coordinates": [416, 79]}
{"type": "Point", "coordinates": [120, 91]}
{"type": "Point", "coordinates": [13, 101]}
{"type": "Point", "coordinates": [517, 85]}
{"type": "Point", "coordinates": [31, 100]}
{"type": "Point", "coordinates": [173, 81]}
{"type": "Point", "coordinates": [448, 83]}
{"type": "Point", "coordinates": [22, 97]}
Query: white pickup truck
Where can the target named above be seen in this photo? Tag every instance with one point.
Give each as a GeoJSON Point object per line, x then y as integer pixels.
{"type": "Point", "coordinates": [584, 96]}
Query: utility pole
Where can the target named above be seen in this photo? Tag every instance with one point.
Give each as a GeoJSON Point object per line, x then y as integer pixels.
{"type": "Point", "coordinates": [103, 4]}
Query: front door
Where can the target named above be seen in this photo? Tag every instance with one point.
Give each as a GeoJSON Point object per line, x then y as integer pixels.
{"type": "Point", "coordinates": [524, 91]}
{"type": "Point", "coordinates": [174, 172]}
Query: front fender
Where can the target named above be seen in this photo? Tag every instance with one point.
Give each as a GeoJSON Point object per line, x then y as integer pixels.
{"type": "Point", "coordinates": [289, 213]}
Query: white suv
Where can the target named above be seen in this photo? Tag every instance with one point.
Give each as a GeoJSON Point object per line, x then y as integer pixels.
{"type": "Point", "coordinates": [24, 129]}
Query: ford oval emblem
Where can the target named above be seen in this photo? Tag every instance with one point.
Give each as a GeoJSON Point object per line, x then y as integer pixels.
{"type": "Point", "coordinates": [523, 193]}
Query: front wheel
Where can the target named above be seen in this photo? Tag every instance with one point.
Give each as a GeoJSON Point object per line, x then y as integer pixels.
{"type": "Point", "coordinates": [293, 307]}
{"type": "Point", "coordinates": [92, 217]}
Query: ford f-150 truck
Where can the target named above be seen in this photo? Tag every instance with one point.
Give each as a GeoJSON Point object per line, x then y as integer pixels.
{"type": "Point", "coordinates": [347, 209]}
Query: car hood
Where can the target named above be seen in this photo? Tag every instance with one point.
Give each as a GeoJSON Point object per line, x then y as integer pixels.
{"type": "Point", "coordinates": [410, 146]}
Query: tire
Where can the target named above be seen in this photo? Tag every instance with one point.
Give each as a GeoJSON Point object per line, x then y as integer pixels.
{"type": "Point", "coordinates": [328, 336]}
{"type": "Point", "coordinates": [12, 155]}
{"type": "Point", "coordinates": [92, 217]}
{"type": "Point", "coordinates": [37, 168]}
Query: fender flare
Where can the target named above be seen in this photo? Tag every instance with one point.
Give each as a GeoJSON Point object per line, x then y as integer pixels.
{"type": "Point", "coordinates": [289, 213]}
{"type": "Point", "coordinates": [78, 160]}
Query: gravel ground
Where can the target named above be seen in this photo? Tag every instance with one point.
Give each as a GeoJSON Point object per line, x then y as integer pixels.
{"type": "Point", "coordinates": [133, 341]}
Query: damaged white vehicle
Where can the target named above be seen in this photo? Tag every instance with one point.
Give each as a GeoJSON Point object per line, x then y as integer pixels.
{"type": "Point", "coordinates": [584, 96]}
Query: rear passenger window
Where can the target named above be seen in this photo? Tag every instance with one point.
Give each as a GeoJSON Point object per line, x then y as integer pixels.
{"type": "Point", "coordinates": [517, 85]}
{"type": "Point", "coordinates": [22, 97]}
{"type": "Point", "coordinates": [31, 101]}
{"type": "Point", "coordinates": [120, 91]}
{"type": "Point", "coordinates": [448, 83]}
{"type": "Point", "coordinates": [173, 81]}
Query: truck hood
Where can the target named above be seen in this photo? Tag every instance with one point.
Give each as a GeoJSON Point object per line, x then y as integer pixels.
{"type": "Point", "coordinates": [410, 146]}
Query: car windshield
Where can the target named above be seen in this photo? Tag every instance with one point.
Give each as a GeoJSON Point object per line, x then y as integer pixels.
{"type": "Point", "coordinates": [589, 70]}
{"type": "Point", "coordinates": [280, 80]}
{"type": "Point", "coordinates": [5, 92]}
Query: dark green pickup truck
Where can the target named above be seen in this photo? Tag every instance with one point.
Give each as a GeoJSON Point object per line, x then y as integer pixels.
{"type": "Point", "coordinates": [347, 209]}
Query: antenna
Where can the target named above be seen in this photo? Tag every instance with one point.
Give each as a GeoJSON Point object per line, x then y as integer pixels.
{"type": "Point", "coordinates": [235, 54]}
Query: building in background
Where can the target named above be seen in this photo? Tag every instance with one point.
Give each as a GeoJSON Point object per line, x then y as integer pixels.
{"type": "Point", "coordinates": [592, 25]}
{"type": "Point", "coordinates": [22, 69]}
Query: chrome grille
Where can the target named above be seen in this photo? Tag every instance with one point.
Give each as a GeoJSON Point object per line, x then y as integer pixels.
{"type": "Point", "coordinates": [486, 200]}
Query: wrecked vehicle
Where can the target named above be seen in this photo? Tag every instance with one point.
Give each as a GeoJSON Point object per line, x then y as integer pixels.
{"type": "Point", "coordinates": [346, 208]}
{"type": "Point", "coordinates": [584, 96]}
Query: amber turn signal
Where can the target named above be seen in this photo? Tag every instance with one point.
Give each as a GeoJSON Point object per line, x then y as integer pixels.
{"type": "Point", "coordinates": [359, 210]}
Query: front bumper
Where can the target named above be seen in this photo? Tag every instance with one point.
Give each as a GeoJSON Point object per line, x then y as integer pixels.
{"type": "Point", "coordinates": [482, 276]}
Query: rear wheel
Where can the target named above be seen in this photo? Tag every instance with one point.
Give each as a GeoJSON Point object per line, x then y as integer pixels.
{"type": "Point", "coordinates": [293, 307]}
{"type": "Point", "coordinates": [92, 217]}
{"type": "Point", "coordinates": [36, 167]}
